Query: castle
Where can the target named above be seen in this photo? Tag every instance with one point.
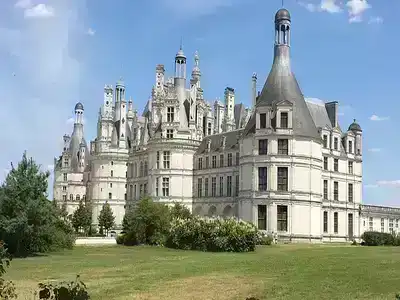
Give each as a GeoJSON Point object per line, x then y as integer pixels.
{"type": "Point", "coordinates": [284, 164]}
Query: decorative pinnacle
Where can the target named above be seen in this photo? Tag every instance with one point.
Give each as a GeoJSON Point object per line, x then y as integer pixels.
{"type": "Point", "coordinates": [196, 58]}
{"type": "Point", "coordinates": [254, 75]}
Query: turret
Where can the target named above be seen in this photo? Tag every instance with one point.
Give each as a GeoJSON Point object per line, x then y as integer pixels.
{"type": "Point", "coordinates": [356, 129]}
{"type": "Point", "coordinates": [180, 85]}
{"type": "Point", "coordinates": [229, 120]}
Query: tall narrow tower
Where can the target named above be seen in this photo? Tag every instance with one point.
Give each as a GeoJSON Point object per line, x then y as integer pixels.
{"type": "Point", "coordinates": [180, 85]}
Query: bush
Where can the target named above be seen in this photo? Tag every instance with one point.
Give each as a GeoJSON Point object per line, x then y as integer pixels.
{"type": "Point", "coordinates": [374, 238]}
{"type": "Point", "coordinates": [75, 290]}
{"type": "Point", "coordinates": [7, 288]}
{"type": "Point", "coordinates": [264, 239]}
{"type": "Point", "coordinates": [120, 239]}
{"type": "Point", "coordinates": [212, 234]}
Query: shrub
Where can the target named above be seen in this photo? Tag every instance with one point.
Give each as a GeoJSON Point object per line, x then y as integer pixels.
{"type": "Point", "coordinates": [264, 239]}
{"type": "Point", "coordinates": [7, 288]}
{"type": "Point", "coordinates": [180, 211]}
{"type": "Point", "coordinates": [120, 239]}
{"type": "Point", "coordinates": [212, 234]}
{"type": "Point", "coordinates": [74, 290]}
{"type": "Point", "coordinates": [374, 238]}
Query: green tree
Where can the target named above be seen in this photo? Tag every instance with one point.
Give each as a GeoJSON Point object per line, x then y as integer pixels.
{"type": "Point", "coordinates": [147, 222]}
{"type": "Point", "coordinates": [106, 218]}
{"type": "Point", "coordinates": [180, 211]}
{"type": "Point", "coordinates": [82, 217]}
{"type": "Point", "coordinates": [29, 222]}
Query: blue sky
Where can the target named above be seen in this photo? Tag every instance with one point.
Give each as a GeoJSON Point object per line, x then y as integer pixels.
{"type": "Point", "coordinates": [55, 53]}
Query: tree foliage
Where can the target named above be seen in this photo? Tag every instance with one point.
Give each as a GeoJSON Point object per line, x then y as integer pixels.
{"type": "Point", "coordinates": [146, 223]}
{"type": "Point", "coordinates": [106, 217]}
{"type": "Point", "coordinates": [29, 223]}
{"type": "Point", "coordinates": [82, 217]}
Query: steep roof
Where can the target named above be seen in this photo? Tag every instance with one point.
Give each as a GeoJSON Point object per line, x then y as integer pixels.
{"type": "Point", "coordinates": [231, 141]}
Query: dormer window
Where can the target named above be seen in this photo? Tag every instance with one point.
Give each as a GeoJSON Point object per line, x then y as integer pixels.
{"type": "Point", "coordinates": [350, 147]}
{"type": "Point", "coordinates": [170, 133]}
{"type": "Point", "coordinates": [325, 139]}
{"type": "Point", "coordinates": [263, 121]}
{"type": "Point", "coordinates": [335, 143]}
{"type": "Point", "coordinates": [284, 120]}
{"type": "Point", "coordinates": [170, 114]}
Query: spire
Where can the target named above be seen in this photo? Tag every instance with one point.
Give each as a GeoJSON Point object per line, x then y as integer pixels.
{"type": "Point", "coordinates": [281, 84]}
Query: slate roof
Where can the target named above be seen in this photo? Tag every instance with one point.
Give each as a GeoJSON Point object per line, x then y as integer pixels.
{"type": "Point", "coordinates": [231, 141]}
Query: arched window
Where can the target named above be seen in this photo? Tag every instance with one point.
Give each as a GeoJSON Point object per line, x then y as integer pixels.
{"type": "Point", "coordinates": [78, 197]}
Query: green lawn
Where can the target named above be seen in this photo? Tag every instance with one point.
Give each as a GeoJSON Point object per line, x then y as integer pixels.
{"type": "Point", "coordinates": [276, 272]}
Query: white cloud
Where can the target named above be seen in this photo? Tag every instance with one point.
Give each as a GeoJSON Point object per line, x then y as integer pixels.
{"type": "Point", "coordinates": [377, 118]}
{"type": "Point", "coordinates": [375, 20]}
{"type": "Point", "coordinates": [39, 11]}
{"type": "Point", "coordinates": [375, 150]}
{"type": "Point", "coordinates": [47, 66]}
{"type": "Point", "coordinates": [356, 9]}
{"type": "Point", "coordinates": [91, 32]}
{"type": "Point", "coordinates": [23, 4]}
{"type": "Point", "coordinates": [370, 186]}
{"type": "Point", "coordinates": [330, 6]}
{"type": "Point", "coordinates": [389, 183]}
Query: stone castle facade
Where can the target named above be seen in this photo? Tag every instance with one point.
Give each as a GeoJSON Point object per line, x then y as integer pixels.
{"type": "Point", "coordinates": [284, 164]}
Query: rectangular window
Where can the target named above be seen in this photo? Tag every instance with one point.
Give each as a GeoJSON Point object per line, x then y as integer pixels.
{"type": "Point", "coordinates": [110, 196]}
{"type": "Point", "coordinates": [141, 190]}
{"type": "Point", "coordinates": [170, 114]}
{"type": "Point", "coordinates": [284, 120]}
{"type": "Point", "coordinates": [64, 188]}
{"type": "Point", "coordinates": [336, 190]}
{"type": "Point", "coordinates": [125, 197]}
{"type": "Point", "coordinates": [65, 176]}
{"type": "Point", "coordinates": [262, 217]}
{"type": "Point", "coordinates": [221, 160]}
{"type": "Point", "coordinates": [206, 187]}
{"type": "Point", "coordinates": [112, 173]}
{"type": "Point", "coordinates": [371, 224]}
{"type": "Point", "coordinates": [199, 187]}
{"type": "Point", "coordinates": [135, 192]}
{"type": "Point", "coordinates": [325, 221]}
{"type": "Point", "coordinates": [237, 158]}
{"type": "Point", "coordinates": [221, 186]}
{"type": "Point", "coordinates": [237, 185]}
{"type": "Point", "coordinates": [262, 147]}
{"type": "Point", "coordinates": [350, 163]}
{"type": "Point", "coordinates": [165, 186]}
{"type": "Point", "coordinates": [282, 178]}
{"type": "Point", "coordinates": [350, 226]}
{"type": "Point", "coordinates": [146, 168]}
{"type": "Point", "coordinates": [350, 192]}
{"type": "Point", "coordinates": [209, 129]}
{"type": "Point", "coordinates": [350, 147]}
{"type": "Point", "coordinates": [71, 197]}
{"type": "Point", "coordinates": [65, 162]}
{"type": "Point", "coordinates": [207, 162]}
{"type": "Point", "coordinates": [157, 185]}
{"type": "Point", "coordinates": [335, 222]}
{"type": "Point", "coordinates": [325, 163]}
{"type": "Point", "coordinates": [325, 189]}
{"type": "Point", "coordinates": [229, 159]}
{"type": "Point", "coordinates": [397, 223]}
{"type": "Point", "coordinates": [200, 163]}
{"type": "Point", "coordinates": [262, 178]}
{"type": "Point", "coordinates": [391, 230]}
{"type": "Point", "coordinates": [282, 217]}
{"type": "Point", "coordinates": [336, 165]}
{"type": "Point", "coordinates": [158, 159]}
{"type": "Point", "coordinates": [335, 143]}
{"type": "Point", "coordinates": [166, 159]}
{"type": "Point", "coordinates": [214, 161]}
{"type": "Point", "coordinates": [283, 146]}
{"type": "Point", "coordinates": [110, 184]}
{"type": "Point", "coordinates": [382, 225]}
{"type": "Point", "coordinates": [213, 186]}
{"type": "Point", "coordinates": [170, 133]}
{"type": "Point", "coordinates": [325, 141]}
{"type": "Point", "coordinates": [145, 189]}
{"type": "Point", "coordinates": [141, 169]}
{"type": "Point", "coordinates": [263, 121]}
{"type": "Point", "coordinates": [64, 197]}
{"type": "Point", "coordinates": [229, 186]}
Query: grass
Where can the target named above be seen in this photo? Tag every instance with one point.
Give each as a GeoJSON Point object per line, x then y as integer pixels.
{"type": "Point", "coordinates": [272, 272]}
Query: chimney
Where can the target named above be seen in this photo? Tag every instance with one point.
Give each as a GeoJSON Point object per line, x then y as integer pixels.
{"type": "Point", "coordinates": [332, 110]}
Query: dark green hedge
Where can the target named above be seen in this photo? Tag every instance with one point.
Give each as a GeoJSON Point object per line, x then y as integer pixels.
{"type": "Point", "coordinates": [375, 238]}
